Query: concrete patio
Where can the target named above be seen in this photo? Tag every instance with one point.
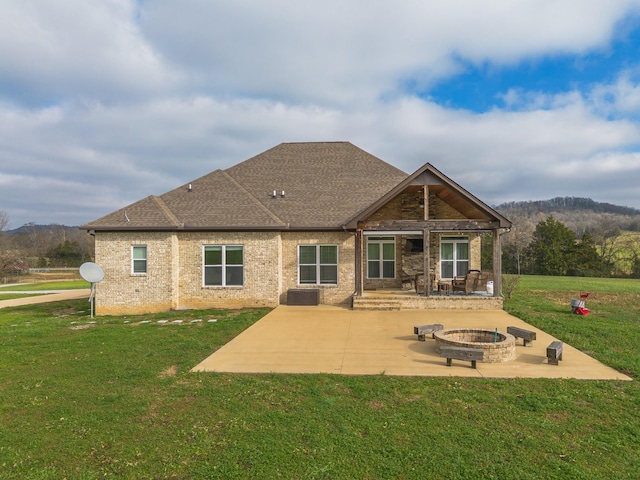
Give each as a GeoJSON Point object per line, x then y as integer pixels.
{"type": "Point", "coordinates": [342, 341]}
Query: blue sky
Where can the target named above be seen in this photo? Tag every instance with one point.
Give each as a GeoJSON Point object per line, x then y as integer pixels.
{"type": "Point", "coordinates": [480, 88]}
{"type": "Point", "coordinates": [103, 102]}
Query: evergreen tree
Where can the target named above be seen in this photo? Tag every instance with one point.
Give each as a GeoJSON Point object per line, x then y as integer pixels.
{"type": "Point", "coordinates": [66, 254]}
{"type": "Point", "coordinates": [587, 262]}
{"type": "Point", "coordinates": [551, 252]}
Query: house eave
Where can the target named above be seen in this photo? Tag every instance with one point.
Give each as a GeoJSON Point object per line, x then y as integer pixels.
{"type": "Point", "coordinates": [288, 228]}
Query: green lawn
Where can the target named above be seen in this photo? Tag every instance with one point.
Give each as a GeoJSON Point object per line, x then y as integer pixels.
{"type": "Point", "coordinates": [67, 285]}
{"type": "Point", "coordinates": [115, 399]}
{"type": "Point", "coordinates": [41, 287]}
{"type": "Point", "coordinates": [11, 296]}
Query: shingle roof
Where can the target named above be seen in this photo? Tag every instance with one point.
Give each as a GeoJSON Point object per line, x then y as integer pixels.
{"type": "Point", "coordinates": [324, 185]}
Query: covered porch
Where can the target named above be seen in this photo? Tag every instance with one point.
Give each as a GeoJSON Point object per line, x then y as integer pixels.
{"type": "Point", "coordinates": [419, 247]}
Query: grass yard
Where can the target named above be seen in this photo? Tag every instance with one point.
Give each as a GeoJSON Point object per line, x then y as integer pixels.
{"type": "Point", "coordinates": [40, 287]}
{"type": "Point", "coordinates": [115, 399]}
{"type": "Point", "coordinates": [65, 285]}
{"type": "Point", "coordinates": [11, 296]}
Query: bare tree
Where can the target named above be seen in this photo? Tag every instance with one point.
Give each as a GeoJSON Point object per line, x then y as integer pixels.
{"type": "Point", "coordinates": [4, 220]}
{"type": "Point", "coordinates": [517, 240]}
{"type": "Point", "coordinates": [608, 237]}
{"type": "Point", "coordinates": [4, 223]}
{"type": "Point", "coordinates": [509, 284]}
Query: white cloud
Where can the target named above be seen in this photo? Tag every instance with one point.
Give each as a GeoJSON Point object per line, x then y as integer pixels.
{"type": "Point", "coordinates": [105, 102]}
{"type": "Point", "coordinates": [621, 98]}
{"type": "Point", "coordinates": [76, 48]}
{"type": "Point", "coordinates": [341, 51]}
{"type": "Point", "coordinates": [499, 156]}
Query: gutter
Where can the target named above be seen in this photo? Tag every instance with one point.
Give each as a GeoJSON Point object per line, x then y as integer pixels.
{"type": "Point", "coordinates": [288, 228]}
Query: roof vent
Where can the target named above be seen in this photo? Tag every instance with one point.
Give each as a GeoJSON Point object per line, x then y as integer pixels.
{"type": "Point", "coordinates": [282, 194]}
{"type": "Point", "coordinates": [189, 188]}
{"type": "Point", "coordinates": [274, 194]}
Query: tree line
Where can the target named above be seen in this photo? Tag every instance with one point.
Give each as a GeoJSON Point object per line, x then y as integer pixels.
{"type": "Point", "coordinates": [41, 246]}
{"type": "Point", "coordinates": [601, 245]}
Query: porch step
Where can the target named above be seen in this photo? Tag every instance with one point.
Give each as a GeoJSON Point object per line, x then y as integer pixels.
{"type": "Point", "coordinates": [419, 302]}
{"type": "Point", "coordinates": [377, 303]}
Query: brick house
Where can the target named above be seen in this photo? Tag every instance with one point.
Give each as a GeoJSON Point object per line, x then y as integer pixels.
{"type": "Point", "coordinates": [323, 218]}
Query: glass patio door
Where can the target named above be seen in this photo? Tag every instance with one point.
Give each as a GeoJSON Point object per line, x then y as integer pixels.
{"type": "Point", "coordinates": [381, 257]}
{"type": "Point", "coordinates": [454, 257]}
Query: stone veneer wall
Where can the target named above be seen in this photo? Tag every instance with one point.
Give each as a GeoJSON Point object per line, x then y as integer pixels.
{"type": "Point", "coordinates": [406, 207]}
{"type": "Point", "coordinates": [413, 262]}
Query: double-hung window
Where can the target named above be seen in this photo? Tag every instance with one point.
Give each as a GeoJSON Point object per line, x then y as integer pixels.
{"type": "Point", "coordinates": [454, 256]}
{"type": "Point", "coordinates": [138, 259]}
{"type": "Point", "coordinates": [318, 264]}
{"type": "Point", "coordinates": [223, 265]}
{"type": "Point", "coordinates": [381, 257]}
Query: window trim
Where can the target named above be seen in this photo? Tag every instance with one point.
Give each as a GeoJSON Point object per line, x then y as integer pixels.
{"type": "Point", "coordinates": [318, 264]}
{"type": "Point", "coordinates": [223, 266]}
{"type": "Point", "coordinates": [134, 260]}
{"type": "Point", "coordinates": [382, 240]}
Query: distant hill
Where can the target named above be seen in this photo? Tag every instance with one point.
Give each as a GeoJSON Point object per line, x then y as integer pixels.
{"type": "Point", "coordinates": [579, 214]}
{"type": "Point", "coordinates": [560, 204]}
{"type": "Point", "coordinates": [31, 227]}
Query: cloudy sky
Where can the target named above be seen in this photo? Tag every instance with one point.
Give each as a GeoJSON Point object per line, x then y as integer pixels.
{"type": "Point", "coordinates": [103, 102]}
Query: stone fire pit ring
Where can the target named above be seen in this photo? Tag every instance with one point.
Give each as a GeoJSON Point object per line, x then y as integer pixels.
{"type": "Point", "coordinates": [501, 351]}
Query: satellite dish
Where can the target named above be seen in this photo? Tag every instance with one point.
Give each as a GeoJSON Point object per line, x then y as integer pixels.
{"type": "Point", "coordinates": [91, 272]}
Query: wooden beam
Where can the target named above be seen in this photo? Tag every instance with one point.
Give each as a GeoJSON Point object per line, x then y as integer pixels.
{"type": "Point", "coordinates": [439, 225]}
{"type": "Point", "coordinates": [425, 195]}
{"type": "Point", "coordinates": [497, 263]}
{"type": "Point", "coordinates": [426, 252]}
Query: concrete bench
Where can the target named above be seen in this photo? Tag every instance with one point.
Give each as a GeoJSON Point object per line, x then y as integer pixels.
{"type": "Point", "coordinates": [554, 352]}
{"type": "Point", "coordinates": [422, 330]}
{"type": "Point", "coordinates": [461, 353]}
{"type": "Point", "coordinates": [526, 335]}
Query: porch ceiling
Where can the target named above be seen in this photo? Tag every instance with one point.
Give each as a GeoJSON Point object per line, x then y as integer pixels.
{"type": "Point", "coordinates": [458, 202]}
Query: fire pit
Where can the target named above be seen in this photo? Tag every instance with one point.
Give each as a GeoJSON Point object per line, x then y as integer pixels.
{"type": "Point", "coordinates": [497, 347]}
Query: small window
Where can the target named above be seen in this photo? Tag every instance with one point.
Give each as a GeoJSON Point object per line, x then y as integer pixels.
{"type": "Point", "coordinates": [318, 264]}
{"type": "Point", "coordinates": [139, 259]}
{"type": "Point", "coordinates": [223, 265]}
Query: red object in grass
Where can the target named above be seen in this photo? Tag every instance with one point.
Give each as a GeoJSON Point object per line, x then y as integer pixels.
{"type": "Point", "coordinates": [582, 311]}
{"type": "Point", "coordinates": [584, 295]}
